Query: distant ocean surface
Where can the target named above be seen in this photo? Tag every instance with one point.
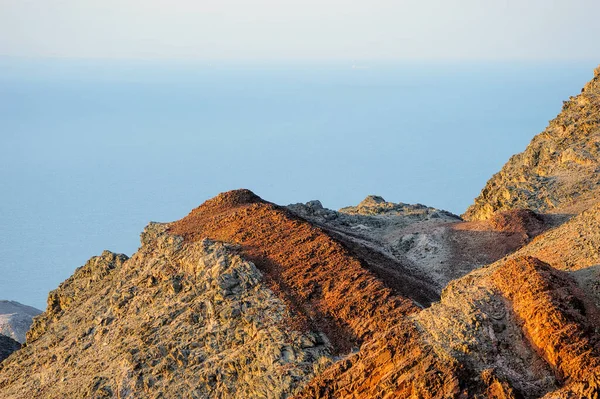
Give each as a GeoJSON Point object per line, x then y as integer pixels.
{"type": "Point", "coordinates": [94, 150]}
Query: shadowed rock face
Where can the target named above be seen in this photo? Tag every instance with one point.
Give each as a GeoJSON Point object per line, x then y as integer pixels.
{"type": "Point", "coordinates": [558, 172]}
{"type": "Point", "coordinates": [7, 346]}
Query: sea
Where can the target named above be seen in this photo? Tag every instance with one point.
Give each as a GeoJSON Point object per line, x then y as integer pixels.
{"type": "Point", "coordinates": [93, 150]}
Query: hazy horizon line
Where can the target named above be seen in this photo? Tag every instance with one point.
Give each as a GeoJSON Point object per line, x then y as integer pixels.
{"type": "Point", "coordinates": [323, 61]}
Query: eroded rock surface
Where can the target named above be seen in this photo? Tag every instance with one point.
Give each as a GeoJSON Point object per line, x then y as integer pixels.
{"type": "Point", "coordinates": [516, 329]}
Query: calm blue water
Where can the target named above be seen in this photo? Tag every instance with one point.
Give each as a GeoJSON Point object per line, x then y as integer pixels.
{"type": "Point", "coordinates": [91, 152]}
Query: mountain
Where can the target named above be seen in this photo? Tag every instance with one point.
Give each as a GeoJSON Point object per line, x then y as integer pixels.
{"type": "Point", "coordinates": [7, 346]}
{"type": "Point", "coordinates": [16, 319]}
{"type": "Point", "coordinates": [559, 172]}
{"type": "Point", "coordinates": [191, 315]}
{"type": "Point", "coordinates": [243, 298]}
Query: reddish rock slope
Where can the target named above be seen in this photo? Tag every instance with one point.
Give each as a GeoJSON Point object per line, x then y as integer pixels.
{"type": "Point", "coordinates": [329, 288]}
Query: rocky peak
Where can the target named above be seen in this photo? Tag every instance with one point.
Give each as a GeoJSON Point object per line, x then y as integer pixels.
{"type": "Point", "coordinates": [309, 269]}
{"type": "Point", "coordinates": [233, 198]}
{"type": "Point", "coordinates": [558, 172]}
{"type": "Point", "coordinates": [372, 200]}
{"type": "Point", "coordinates": [376, 205]}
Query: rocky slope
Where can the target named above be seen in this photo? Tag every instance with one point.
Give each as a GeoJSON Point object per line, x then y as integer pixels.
{"type": "Point", "coordinates": [187, 316]}
{"type": "Point", "coordinates": [7, 346]}
{"type": "Point", "coordinates": [16, 319]}
{"type": "Point", "coordinates": [517, 329]}
{"type": "Point", "coordinates": [559, 170]}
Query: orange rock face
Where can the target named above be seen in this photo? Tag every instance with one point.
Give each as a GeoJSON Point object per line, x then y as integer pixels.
{"type": "Point", "coordinates": [554, 320]}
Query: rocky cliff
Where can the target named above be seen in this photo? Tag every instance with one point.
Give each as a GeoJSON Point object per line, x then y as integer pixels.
{"type": "Point", "coordinates": [559, 172]}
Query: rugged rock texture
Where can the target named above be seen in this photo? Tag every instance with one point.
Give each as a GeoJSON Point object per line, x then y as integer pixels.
{"type": "Point", "coordinates": [559, 170]}
{"type": "Point", "coordinates": [178, 319]}
{"type": "Point", "coordinates": [574, 245]}
{"type": "Point", "coordinates": [16, 319]}
{"type": "Point", "coordinates": [517, 329]}
{"type": "Point", "coordinates": [7, 346]}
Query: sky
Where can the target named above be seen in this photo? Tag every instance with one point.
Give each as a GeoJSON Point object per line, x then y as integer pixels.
{"type": "Point", "coordinates": [292, 30]}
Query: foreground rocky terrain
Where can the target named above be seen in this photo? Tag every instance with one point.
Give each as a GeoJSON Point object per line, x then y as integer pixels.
{"type": "Point", "coordinates": [243, 298]}
{"type": "Point", "coordinates": [16, 319]}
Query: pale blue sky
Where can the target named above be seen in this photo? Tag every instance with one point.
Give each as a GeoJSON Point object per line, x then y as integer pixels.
{"type": "Point", "coordinates": [301, 30]}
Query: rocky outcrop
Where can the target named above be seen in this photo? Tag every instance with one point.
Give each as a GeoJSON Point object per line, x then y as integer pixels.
{"type": "Point", "coordinates": [555, 322]}
{"type": "Point", "coordinates": [16, 319]}
{"type": "Point", "coordinates": [7, 346]}
{"type": "Point", "coordinates": [76, 289]}
{"type": "Point", "coordinates": [376, 205]}
{"type": "Point", "coordinates": [559, 170]}
{"type": "Point", "coordinates": [178, 319]}
{"type": "Point", "coordinates": [329, 287]}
